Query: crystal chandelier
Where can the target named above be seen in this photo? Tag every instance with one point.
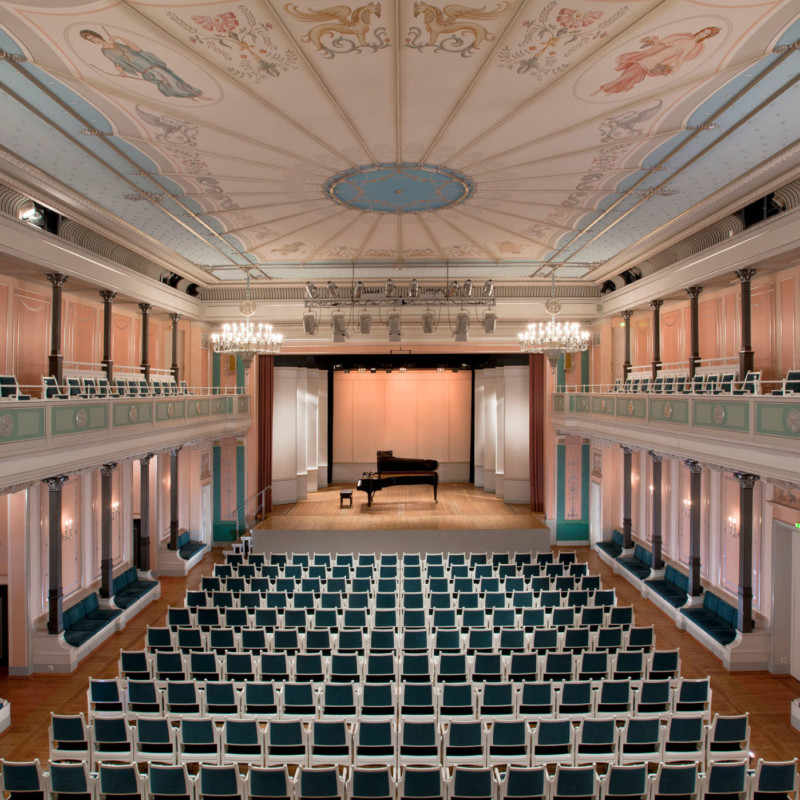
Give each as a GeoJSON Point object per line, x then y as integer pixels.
{"type": "Point", "coordinates": [246, 340]}
{"type": "Point", "coordinates": [552, 338]}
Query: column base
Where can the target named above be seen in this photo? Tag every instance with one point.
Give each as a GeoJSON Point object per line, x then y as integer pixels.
{"type": "Point", "coordinates": [55, 599]}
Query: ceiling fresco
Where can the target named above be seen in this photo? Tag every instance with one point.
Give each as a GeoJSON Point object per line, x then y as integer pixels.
{"type": "Point", "coordinates": [513, 136]}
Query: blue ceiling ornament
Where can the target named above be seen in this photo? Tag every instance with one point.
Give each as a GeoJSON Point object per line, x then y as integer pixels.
{"type": "Point", "coordinates": [402, 188]}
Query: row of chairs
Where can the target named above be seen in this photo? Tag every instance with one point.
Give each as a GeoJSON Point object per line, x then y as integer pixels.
{"type": "Point", "coordinates": [460, 578]}
{"type": "Point", "coordinates": [619, 782]}
{"type": "Point", "coordinates": [444, 702]}
{"type": "Point", "coordinates": [90, 387]}
{"type": "Point", "coordinates": [388, 668]}
{"type": "Point", "coordinates": [588, 740]}
{"type": "Point", "coordinates": [614, 622]}
{"type": "Point", "coordinates": [415, 640]}
{"type": "Point", "coordinates": [707, 383]}
{"type": "Point", "coordinates": [405, 559]}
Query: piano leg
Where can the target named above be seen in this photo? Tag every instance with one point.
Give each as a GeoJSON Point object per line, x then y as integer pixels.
{"type": "Point", "coordinates": [435, 492]}
{"type": "Point", "coordinates": [369, 499]}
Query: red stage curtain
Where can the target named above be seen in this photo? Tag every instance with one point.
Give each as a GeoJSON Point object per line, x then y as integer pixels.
{"type": "Point", "coordinates": [266, 387]}
{"type": "Point", "coordinates": [537, 366]}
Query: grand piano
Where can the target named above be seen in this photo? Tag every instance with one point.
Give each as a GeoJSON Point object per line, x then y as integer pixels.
{"type": "Point", "coordinates": [394, 471]}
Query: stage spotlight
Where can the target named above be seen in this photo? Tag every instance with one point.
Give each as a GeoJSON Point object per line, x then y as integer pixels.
{"type": "Point", "coordinates": [339, 328]}
{"type": "Point", "coordinates": [365, 320]}
{"type": "Point", "coordinates": [31, 213]}
{"type": "Point", "coordinates": [388, 289]}
{"type": "Point", "coordinates": [394, 328]}
{"type": "Point", "coordinates": [402, 369]}
{"type": "Point", "coordinates": [462, 325]}
{"type": "Point", "coordinates": [310, 324]}
{"type": "Point", "coordinates": [466, 289]}
{"type": "Point", "coordinates": [413, 288]}
{"type": "Point", "coordinates": [333, 290]}
{"type": "Point", "coordinates": [373, 370]}
{"type": "Point", "coordinates": [452, 289]}
{"type": "Point", "coordinates": [428, 323]}
{"type": "Point", "coordinates": [358, 290]}
{"type": "Point", "coordinates": [488, 288]}
{"type": "Point", "coordinates": [362, 369]}
{"type": "Point", "coordinates": [311, 291]}
{"type": "Point", "coordinates": [490, 322]}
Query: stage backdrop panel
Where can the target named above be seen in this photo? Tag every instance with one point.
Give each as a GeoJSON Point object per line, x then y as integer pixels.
{"type": "Point", "coordinates": [417, 414]}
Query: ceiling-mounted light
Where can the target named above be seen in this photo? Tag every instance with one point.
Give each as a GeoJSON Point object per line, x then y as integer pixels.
{"type": "Point", "coordinates": [339, 328]}
{"type": "Point", "coordinates": [311, 291]}
{"type": "Point", "coordinates": [358, 290]}
{"type": "Point", "coordinates": [488, 288]}
{"type": "Point", "coordinates": [246, 340]}
{"type": "Point", "coordinates": [394, 328]}
{"type": "Point", "coordinates": [310, 324]}
{"type": "Point", "coordinates": [388, 288]}
{"type": "Point", "coordinates": [440, 368]}
{"type": "Point", "coordinates": [413, 288]}
{"type": "Point", "coordinates": [452, 289]}
{"type": "Point", "coordinates": [31, 213]}
{"type": "Point", "coordinates": [466, 289]}
{"type": "Point", "coordinates": [462, 325]}
{"type": "Point", "coordinates": [332, 289]}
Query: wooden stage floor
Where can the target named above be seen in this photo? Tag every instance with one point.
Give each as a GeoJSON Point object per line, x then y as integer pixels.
{"type": "Point", "coordinates": [460, 506]}
{"type": "Point", "coordinates": [767, 697]}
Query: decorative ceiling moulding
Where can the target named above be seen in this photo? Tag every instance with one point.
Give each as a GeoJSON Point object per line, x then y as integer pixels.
{"type": "Point", "coordinates": [25, 178]}
{"type": "Point", "coordinates": [713, 207]}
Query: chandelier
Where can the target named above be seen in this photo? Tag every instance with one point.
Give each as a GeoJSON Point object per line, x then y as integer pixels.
{"type": "Point", "coordinates": [246, 340]}
{"type": "Point", "coordinates": [552, 338]}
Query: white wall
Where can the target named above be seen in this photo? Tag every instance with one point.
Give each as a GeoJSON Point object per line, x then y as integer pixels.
{"type": "Point", "coordinates": [299, 433]}
{"type": "Point", "coordinates": [502, 432]}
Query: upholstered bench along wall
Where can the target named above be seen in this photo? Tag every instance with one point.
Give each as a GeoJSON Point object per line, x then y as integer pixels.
{"type": "Point", "coordinates": [188, 547]}
{"type": "Point", "coordinates": [85, 619]}
{"type": "Point", "coordinates": [716, 617]}
{"type": "Point", "coordinates": [127, 588]}
{"type": "Point", "coordinates": [615, 546]}
{"type": "Point", "coordinates": [673, 587]}
{"type": "Point", "coordinates": [640, 563]}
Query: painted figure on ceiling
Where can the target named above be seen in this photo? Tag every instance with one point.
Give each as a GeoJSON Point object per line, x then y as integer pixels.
{"type": "Point", "coordinates": [131, 61]}
{"type": "Point", "coordinates": [657, 57]}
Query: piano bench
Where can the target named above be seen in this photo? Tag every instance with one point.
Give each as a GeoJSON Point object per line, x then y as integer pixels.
{"type": "Point", "coordinates": [345, 494]}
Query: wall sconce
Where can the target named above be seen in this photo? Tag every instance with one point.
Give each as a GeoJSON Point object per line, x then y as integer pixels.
{"type": "Point", "coordinates": [115, 510]}
{"type": "Point", "coordinates": [687, 508]}
{"type": "Point", "coordinates": [67, 531]}
{"type": "Point", "coordinates": [731, 528]}
{"type": "Point", "coordinates": [652, 489]}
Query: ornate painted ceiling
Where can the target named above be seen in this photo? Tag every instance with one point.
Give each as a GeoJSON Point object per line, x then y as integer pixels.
{"type": "Point", "coordinates": [501, 137]}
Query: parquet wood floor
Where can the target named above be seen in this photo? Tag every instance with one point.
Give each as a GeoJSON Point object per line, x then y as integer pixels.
{"type": "Point", "coordinates": [767, 697]}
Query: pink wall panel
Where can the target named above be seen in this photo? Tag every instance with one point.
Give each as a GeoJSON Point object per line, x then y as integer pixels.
{"type": "Point", "coordinates": [672, 349]}
{"type": "Point", "coordinates": [124, 340]}
{"type": "Point", "coordinates": [82, 334]}
{"type": "Point", "coordinates": [641, 341]}
{"type": "Point", "coordinates": [31, 336]}
{"type": "Point", "coordinates": [709, 328]}
{"type": "Point", "coordinates": [415, 414]}
{"type": "Point", "coordinates": [5, 351]}
{"type": "Point", "coordinates": [732, 340]}
{"type": "Point", "coordinates": [763, 330]}
{"type": "Point", "coordinates": [788, 326]}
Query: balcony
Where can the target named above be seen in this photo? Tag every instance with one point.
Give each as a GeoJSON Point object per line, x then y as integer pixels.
{"type": "Point", "coordinates": [753, 433]}
{"type": "Point", "coordinates": [40, 438]}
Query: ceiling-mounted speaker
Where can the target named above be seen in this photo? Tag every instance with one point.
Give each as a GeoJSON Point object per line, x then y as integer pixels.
{"type": "Point", "coordinates": [310, 324]}
{"type": "Point", "coordinates": [462, 325]}
{"type": "Point", "coordinates": [428, 322]}
{"type": "Point", "coordinates": [366, 323]}
{"type": "Point", "coordinates": [339, 328]}
{"type": "Point", "coordinates": [490, 322]}
{"type": "Point", "coordinates": [394, 327]}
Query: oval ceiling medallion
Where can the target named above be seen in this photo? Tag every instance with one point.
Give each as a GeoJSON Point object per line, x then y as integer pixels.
{"type": "Point", "coordinates": [399, 188]}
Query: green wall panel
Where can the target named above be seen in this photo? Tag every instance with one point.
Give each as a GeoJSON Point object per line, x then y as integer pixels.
{"type": "Point", "coordinates": [125, 414]}
{"type": "Point", "coordinates": [170, 410]}
{"type": "Point", "coordinates": [778, 419]}
{"type": "Point", "coordinates": [728, 415]}
{"type": "Point", "coordinates": [632, 407]}
{"type": "Point", "coordinates": [603, 405]}
{"type": "Point", "coordinates": [669, 409]}
{"type": "Point", "coordinates": [78, 418]}
{"type": "Point", "coordinates": [19, 424]}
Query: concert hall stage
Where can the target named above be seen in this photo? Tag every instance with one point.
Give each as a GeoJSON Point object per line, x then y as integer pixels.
{"type": "Point", "coordinates": [399, 541]}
